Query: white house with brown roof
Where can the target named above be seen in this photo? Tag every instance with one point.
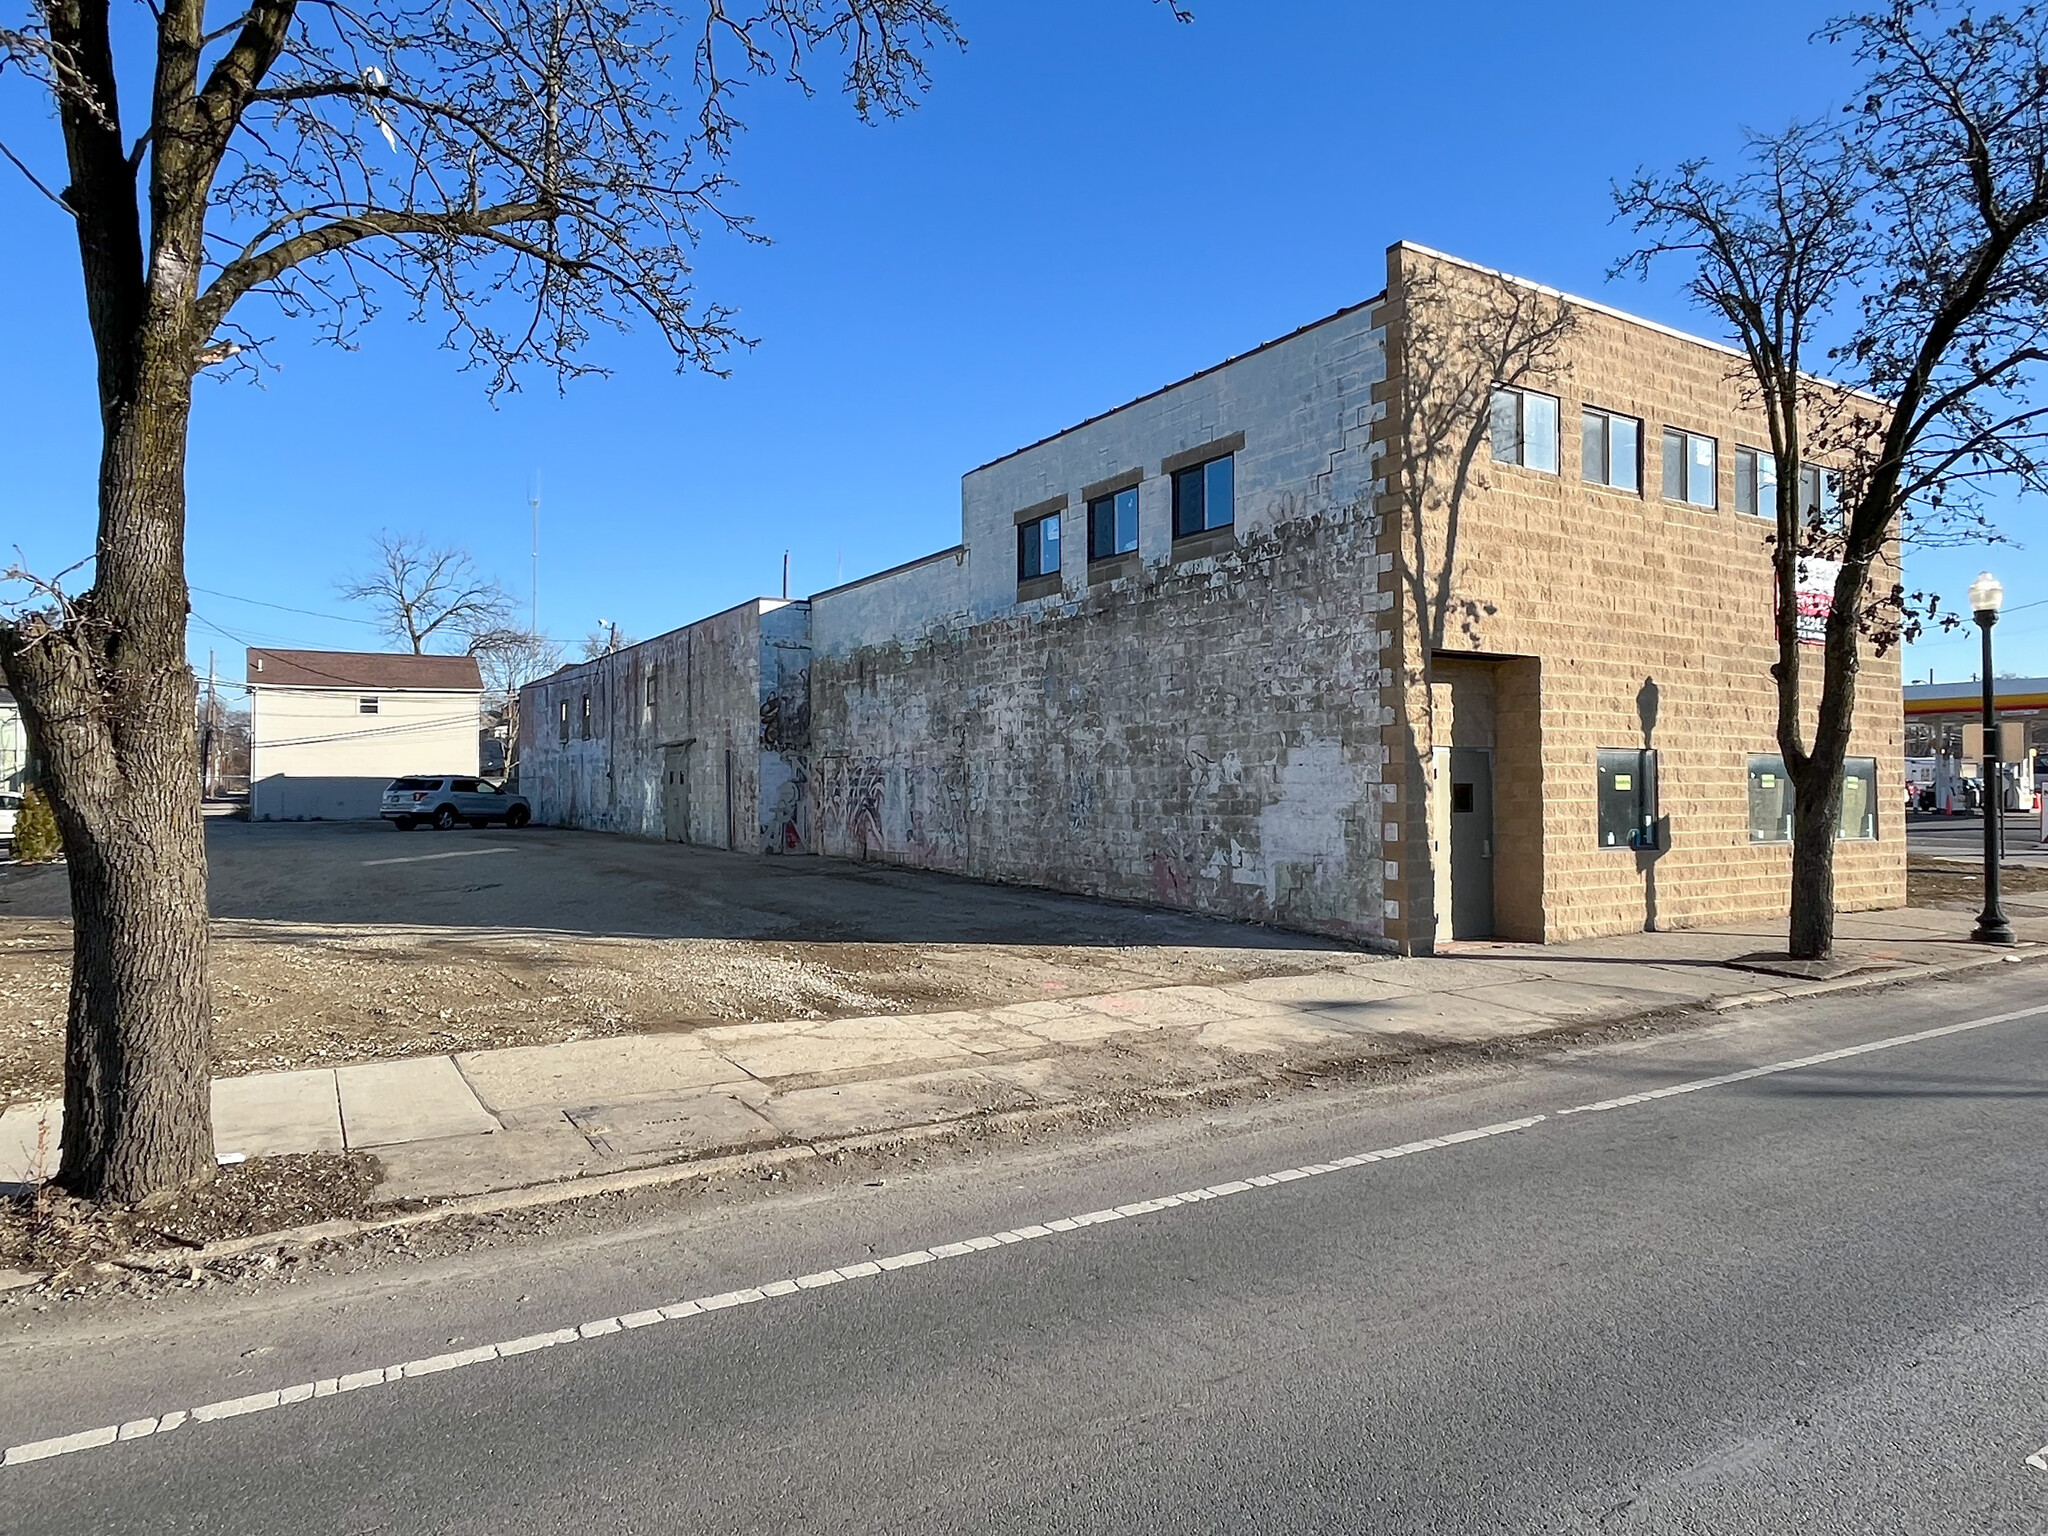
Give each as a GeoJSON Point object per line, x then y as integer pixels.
{"type": "Point", "coordinates": [328, 730]}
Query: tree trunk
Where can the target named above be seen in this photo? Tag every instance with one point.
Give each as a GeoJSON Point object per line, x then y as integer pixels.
{"type": "Point", "coordinates": [1812, 934]}
{"type": "Point", "coordinates": [111, 706]}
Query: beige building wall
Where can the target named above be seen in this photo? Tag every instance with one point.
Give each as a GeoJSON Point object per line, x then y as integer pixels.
{"type": "Point", "coordinates": [1581, 618]}
{"type": "Point", "coordinates": [315, 755]}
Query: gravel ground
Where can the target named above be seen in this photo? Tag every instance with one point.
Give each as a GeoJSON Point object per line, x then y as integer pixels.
{"type": "Point", "coordinates": [326, 952]}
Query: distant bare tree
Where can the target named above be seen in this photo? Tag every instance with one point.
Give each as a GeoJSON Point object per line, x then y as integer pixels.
{"type": "Point", "coordinates": [419, 590]}
{"type": "Point", "coordinates": [605, 639]}
{"type": "Point", "coordinates": [509, 659]}
{"type": "Point", "coordinates": [1919, 225]}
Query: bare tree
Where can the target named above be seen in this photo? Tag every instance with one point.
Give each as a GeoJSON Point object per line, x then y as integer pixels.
{"type": "Point", "coordinates": [419, 590]}
{"type": "Point", "coordinates": [1916, 227]}
{"type": "Point", "coordinates": [605, 639]}
{"type": "Point", "coordinates": [531, 171]}
{"type": "Point", "coordinates": [509, 659]}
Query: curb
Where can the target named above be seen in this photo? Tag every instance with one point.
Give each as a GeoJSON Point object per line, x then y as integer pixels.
{"type": "Point", "coordinates": [169, 1261]}
{"type": "Point", "coordinates": [2019, 954]}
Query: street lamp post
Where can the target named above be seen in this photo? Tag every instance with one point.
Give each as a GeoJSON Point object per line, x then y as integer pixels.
{"type": "Point", "coordinates": [1986, 596]}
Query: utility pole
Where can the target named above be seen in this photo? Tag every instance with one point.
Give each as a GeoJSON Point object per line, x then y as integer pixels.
{"type": "Point", "coordinates": [206, 731]}
{"type": "Point", "coordinates": [785, 575]}
{"type": "Point", "coordinates": [533, 500]}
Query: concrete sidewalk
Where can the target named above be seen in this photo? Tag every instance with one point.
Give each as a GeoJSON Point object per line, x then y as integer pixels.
{"type": "Point", "coordinates": [490, 1120]}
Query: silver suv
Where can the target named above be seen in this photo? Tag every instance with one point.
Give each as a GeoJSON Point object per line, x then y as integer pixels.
{"type": "Point", "coordinates": [445, 801]}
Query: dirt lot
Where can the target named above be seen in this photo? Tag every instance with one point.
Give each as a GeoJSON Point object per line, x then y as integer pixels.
{"type": "Point", "coordinates": [1957, 886]}
{"type": "Point", "coordinates": [339, 942]}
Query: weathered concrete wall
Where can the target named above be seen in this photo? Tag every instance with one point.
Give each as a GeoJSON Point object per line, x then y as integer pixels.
{"type": "Point", "coordinates": [1201, 738]}
{"type": "Point", "coordinates": [904, 604]}
{"type": "Point", "coordinates": [678, 742]}
{"type": "Point", "coordinates": [783, 789]}
{"type": "Point", "coordinates": [1304, 407]}
{"type": "Point", "coordinates": [1196, 730]}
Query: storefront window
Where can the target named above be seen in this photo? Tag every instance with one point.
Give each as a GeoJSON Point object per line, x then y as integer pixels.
{"type": "Point", "coordinates": [1771, 800]}
{"type": "Point", "coordinates": [1859, 800]}
{"type": "Point", "coordinates": [1628, 799]}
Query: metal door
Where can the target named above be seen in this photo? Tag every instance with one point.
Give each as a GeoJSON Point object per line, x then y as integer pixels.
{"type": "Point", "coordinates": [1471, 843]}
{"type": "Point", "coordinates": [675, 794]}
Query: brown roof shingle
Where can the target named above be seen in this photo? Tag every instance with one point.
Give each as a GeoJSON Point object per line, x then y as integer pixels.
{"type": "Point", "coordinates": [385, 671]}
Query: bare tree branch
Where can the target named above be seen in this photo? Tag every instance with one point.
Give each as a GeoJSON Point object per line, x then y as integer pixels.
{"type": "Point", "coordinates": [419, 591]}
{"type": "Point", "coordinates": [1921, 225]}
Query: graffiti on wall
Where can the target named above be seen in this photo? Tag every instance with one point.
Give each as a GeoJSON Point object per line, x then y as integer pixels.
{"type": "Point", "coordinates": [785, 802]}
{"type": "Point", "coordinates": [847, 803]}
{"type": "Point", "coordinates": [786, 711]}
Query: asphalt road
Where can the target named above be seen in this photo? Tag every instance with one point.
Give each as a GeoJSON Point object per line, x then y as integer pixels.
{"type": "Point", "coordinates": [1813, 1300]}
{"type": "Point", "coordinates": [1962, 837]}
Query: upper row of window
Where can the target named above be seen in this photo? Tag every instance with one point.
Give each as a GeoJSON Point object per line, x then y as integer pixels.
{"type": "Point", "coordinates": [1204, 498]}
{"type": "Point", "coordinates": [1524, 430]}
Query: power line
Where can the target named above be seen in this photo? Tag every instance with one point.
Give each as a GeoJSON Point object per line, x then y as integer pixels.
{"type": "Point", "coordinates": [410, 727]}
{"type": "Point", "coordinates": [302, 664]}
{"type": "Point", "coordinates": [311, 613]}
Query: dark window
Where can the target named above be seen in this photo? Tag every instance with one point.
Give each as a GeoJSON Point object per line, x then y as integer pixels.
{"type": "Point", "coordinates": [1038, 548]}
{"type": "Point", "coordinates": [1113, 524]}
{"type": "Point", "coordinates": [1628, 798]}
{"type": "Point", "coordinates": [1205, 496]}
{"type": "Point", "coordinates": [366, 705]}
{"type": "Point", "coordinates": [586, 717]}
{"type": "Point", "coordinates": [1523, 428]}
{"type": "Point", "coordinates": [1689, 461]}
{"type": "Point", "coordinates": [1756, 486]}
{"type": "Point", "coordinates": [408, 785]}
{"type": "Point", "coordinates": [1770, 799]}
{"type": "Point", "coordinates": [564, 706]}
{"type": "Point", "coordinates": [1611, 450]}
{"type": "Point", "coordinates": [463, 786]}
{"type": "Point", "coordinates": [1756, 482]}
{"type": "Point", "coordinates": [1816, 493]}
{"type": "Point", "coordinates": [1461, 797]}
{"type": "Point", "coordinates": [1858, 823]}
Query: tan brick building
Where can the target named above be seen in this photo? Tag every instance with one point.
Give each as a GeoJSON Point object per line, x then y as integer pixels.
{"type": "Point", "coordinates": [1446, 616]}
{"type": "Point", "coordinates": [1548, 620]}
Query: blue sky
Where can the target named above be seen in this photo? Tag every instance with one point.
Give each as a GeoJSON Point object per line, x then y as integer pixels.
{"type": "Point", "coordinates": [1093, 201]}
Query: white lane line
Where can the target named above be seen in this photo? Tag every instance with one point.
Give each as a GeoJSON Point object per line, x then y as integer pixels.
{"type": "Point", "coordinates": [259, 1402]}
{"type": "Point", "coordinates": [307, 1391]}
{"type": "Point", "coordinates": [425, 858]}
{"type": "Point", "coordinates": [1889, 1043]}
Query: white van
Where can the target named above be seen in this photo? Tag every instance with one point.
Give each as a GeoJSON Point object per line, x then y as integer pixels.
{"type": "Point", "coordinates": [10, 807]}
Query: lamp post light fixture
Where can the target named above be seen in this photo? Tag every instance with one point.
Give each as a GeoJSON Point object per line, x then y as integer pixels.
{"type": "Point", "coordinates": [1986, 598]}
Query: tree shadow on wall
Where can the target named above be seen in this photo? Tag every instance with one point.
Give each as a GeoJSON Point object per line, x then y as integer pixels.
{"type": "Point", "coordinates": [1461, 335]}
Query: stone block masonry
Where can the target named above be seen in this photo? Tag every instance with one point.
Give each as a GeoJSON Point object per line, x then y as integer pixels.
{"type": "Point", "coordinates": [1192, 722]}
{"type": "Point", "coordinates": [1366, 692]}
{"type": "Point", "coordinates": [1200, 736]}
{"type": "Point", "coordinates": [700, 735]}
